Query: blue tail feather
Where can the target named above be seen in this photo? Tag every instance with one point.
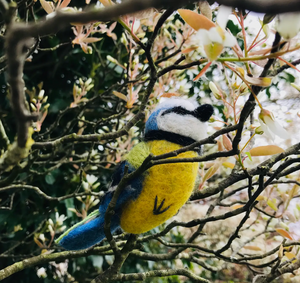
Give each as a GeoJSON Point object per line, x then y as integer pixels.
{"type": "Point", "coordinates": [88, 234]}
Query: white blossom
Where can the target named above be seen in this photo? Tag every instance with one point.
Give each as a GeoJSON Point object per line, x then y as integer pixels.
{"type": "Point", "coordinates": [270, 126]}
{"type": "Point", "coordinates": [41, 272]}
{"type": "Point", "coordinates": [218, 34]}
{"type": "Point", "coordinates": [91, 179]}
{"type": "Point", "coordinates": [288, 24]}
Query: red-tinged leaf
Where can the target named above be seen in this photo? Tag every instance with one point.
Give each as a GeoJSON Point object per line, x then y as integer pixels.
{"type": "Point", "coordinates": [290, 255]}
{"type": "Point", "coordinates": [120, 95]}
{"type": "Point", "coordinates": [188, 50]}
{"type": "Point", "coordinates": [227, 142]}
{"type": "Point", "coordinates": [211, 171]}
{"type": "Point", "coordinates": [264, 82]}
{"type": "Point", "coordinates": [228, 164]}
{"type": "Point", "coordinates": [38, 242]}
{"type": "Point", "coordinates": [236, 206]}
{"type": "Point", "coordinates": [213, 50]}
{"type": "Point", "coordinates": [293, 191]}
{"type": "Point", "coordinates": [84, 48]}
{"type": "Point", "coordinates": [252, 248]}
{"type": "Point", "coordinates": [91, 39]}
{"type": "Point", "coordinates": [202, 71]}
{"type": "Point", "coordinates": [259, 198]}
{"type": "Point", "coordinates": [260, 52]}
{"type": "Point", "coordinates": [47, 6]}
{"type": "Point", "coordinates": [284, 233]}
{"type": "Point", "coordinates": [288, 63]}
{"type": "Point", "coordinates": [266, 150]}
{"type": "Point", "coordinates": [260, 63]}
{"type": "Point", "coordinates": [106, 3]}
{"type": "Point", "coordinates": [64, 3]}
{"type": "Point", "coordinates": [170, 94]}
{"type": "Point", "coordinates": [195, 20]}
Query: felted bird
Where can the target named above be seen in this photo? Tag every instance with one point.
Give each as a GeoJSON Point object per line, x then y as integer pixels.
{"type": "Point", "coordinates": [156, 195]}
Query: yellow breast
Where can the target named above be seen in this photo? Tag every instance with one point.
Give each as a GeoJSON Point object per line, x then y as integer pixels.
{"type": "Point", "coordinates": [165, 189]}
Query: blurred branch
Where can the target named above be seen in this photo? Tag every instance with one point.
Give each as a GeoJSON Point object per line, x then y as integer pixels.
{"type": "Point", "coordinates": [44, 258]}
{"type": "Point", "coordinates": [42, 194]}
{"type": "Point", "coordinates": [289, 268]}
{"type": "Point", "coordinates": [155, 273]}
{"type": "Point", "coordinates": [3, 137]}
{"type": "Point", "coordinates": [90, 138]}
{"type": "Point", "coordinates": [3, 7]}
{"type": "Point", "coordinates": [285, 67]}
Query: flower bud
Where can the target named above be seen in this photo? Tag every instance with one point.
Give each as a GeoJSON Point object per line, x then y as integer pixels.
{"type": "Point", "coordinates": [124, 39]}
{"type": "Point", "coordinates": [111, 59]}
{"type": "Point", "coordinates": [215, 90]}
{"type": "Point", "coordinates": [50, 228]}
{"type": "Point", "coordinates": [243, 88]}
{"type": "Point", "coordinates": [89, 87]}
{"type": "Point", "coordinates": [259, 131]}
{"type": "Point", "coordinates": [46, 106]}
{"type": "Point", "coordinates": [45, 99]}
{"type": "Point", "coordinates": [33, 107]}
{"type": "Point", "coordinates": [295, 86]}
{"type": "Point", "coordinates": [88, 82]}
{"type": "Point", "coordinates": [41, 94]}
{"type": "Point", "coordinates": [42, 237]}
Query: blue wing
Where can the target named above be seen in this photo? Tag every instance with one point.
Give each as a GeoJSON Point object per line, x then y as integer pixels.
{"type": "Point", "coordinates": [91, 231]}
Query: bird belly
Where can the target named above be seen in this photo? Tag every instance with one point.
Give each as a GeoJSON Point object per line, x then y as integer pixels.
{"type": "Point", "coordinates": [166, 188]}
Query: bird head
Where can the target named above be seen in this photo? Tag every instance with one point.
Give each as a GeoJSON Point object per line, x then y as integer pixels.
{"type": "Point", "coordinates": [178, 119]}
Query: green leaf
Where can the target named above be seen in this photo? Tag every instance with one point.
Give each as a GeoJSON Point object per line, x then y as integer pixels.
{"type": "Point", "coordinates": [249, 155]}
{"type": "Point", "coordinates": [49, 178]}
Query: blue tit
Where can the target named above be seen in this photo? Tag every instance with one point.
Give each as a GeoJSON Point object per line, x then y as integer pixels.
{"type": "Point", "coordinates": [155, 196]}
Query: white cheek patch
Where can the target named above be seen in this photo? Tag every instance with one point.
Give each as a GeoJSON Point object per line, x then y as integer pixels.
{"type": "Point", "coordinates": [185, 125]}
{"type": "Point", "coordinates": [176, 101]}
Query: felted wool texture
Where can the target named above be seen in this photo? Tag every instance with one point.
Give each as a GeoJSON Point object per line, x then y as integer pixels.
{"type": "Point", "coordinates": [192, 127]}
{"type": "Point", "coordinates": [172, 182]}
{"type": "Point", "coordinates": [171, 102]}
{"type": "Point", "coordinates": [138, 154]}
{"type": "Point", "coordinates": [88, 234]}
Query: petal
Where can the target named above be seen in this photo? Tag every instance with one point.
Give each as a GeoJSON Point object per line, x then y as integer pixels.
{"type": "Point", "coordinates": [203, 36]}
{"type": "Point", "coordinates": [215, 36]}
{"type": "Point", "coordinates": [106, 3]}
{"type": "Point", "coordinates": [229, 40]}
{"type": "Point", "coordinates": [276, 128]}
{"type": "Point", "coordinates": [223, 15]}
{"type": "Point", "coordinates": [64, 3]}
{"type": "Point", "coordinates": [213, 50]}
{"type": "Point", "coordinates": [288, 24]}
{"type": "Point", "coordinates": [266, 129]}
{"type": "Point", "coordinates": [91, 39]}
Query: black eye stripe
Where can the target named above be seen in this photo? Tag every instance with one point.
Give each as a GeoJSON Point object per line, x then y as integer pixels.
{"type": "Point", "coordinates": [202, 113]}
{"type": "Point", "coordinates": [178, 110]}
